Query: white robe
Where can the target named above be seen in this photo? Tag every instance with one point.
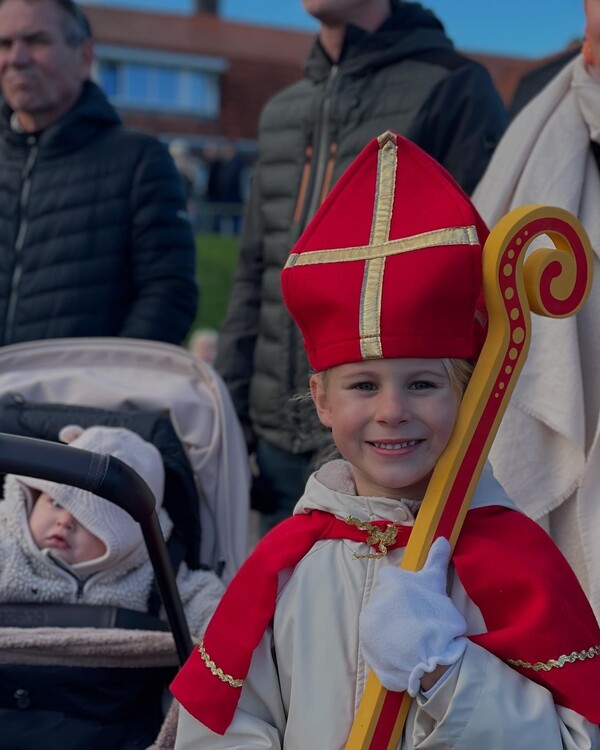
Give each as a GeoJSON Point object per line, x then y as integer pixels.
{"type": "Point", "coordinates": [308, 674]}
{"type": "Point", "coordinates": [547, 450]}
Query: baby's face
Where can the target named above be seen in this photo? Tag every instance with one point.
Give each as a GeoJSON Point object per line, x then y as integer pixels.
{"type": "Point", "coordinates": [53, 527]}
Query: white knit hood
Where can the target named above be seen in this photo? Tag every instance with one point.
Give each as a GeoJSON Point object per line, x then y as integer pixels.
{"type": "Point", "coordinates": [112, 525]}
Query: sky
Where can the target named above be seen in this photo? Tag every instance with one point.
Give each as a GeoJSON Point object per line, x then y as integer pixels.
{"type": "Point", "coordinates": [504, 27]}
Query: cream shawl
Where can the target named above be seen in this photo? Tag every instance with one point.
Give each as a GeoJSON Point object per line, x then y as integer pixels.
{"type": "Point", "coordinates": [547, 452]}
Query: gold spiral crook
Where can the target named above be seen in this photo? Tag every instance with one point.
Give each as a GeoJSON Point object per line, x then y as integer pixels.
{"type": "Point", "coordinates": [552, 281]}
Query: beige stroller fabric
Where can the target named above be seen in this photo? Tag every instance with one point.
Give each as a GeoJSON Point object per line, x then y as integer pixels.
{"type": "Point", "coordinates": [129, 375]}
{"type": "Point", "coordinates": [87, 647]}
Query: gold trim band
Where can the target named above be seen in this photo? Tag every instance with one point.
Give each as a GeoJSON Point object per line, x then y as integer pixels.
{"type": "Point", "coordinates": [437, 237]}
{"type": "Point", "coordinates": [217, 671]}
{"type": "Point", "coordinates": [370, 309]}
{"type": "Point", "coordinates": [372, 286]}
{"type": "Point", "coordinates": [540, 666]}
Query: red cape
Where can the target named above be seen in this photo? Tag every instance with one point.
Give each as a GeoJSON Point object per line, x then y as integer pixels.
{"type": "Point", "coordinates": [537, 617]}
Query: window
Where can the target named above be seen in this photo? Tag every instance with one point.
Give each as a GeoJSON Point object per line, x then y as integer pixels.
{"type": "Point", "coordinates": [145, 79]}
{"type": "Point", "coordinates": [108, 79]}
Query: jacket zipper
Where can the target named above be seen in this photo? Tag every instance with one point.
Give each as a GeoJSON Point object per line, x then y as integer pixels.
{"type": "Point", "coordinates": [328, 172]}
{"type": "Point", "coordinates": [80, 587]}
{"type": "Point", "coordinates": [20, 242]}
{"type": "Point", "coordinates": [69, 574]}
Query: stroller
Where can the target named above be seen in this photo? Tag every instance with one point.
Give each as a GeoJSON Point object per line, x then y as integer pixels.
{"type": "Point", "coordinates": [115, 665]}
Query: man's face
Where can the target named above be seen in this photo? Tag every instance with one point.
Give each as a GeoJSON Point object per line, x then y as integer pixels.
{"type": "Point", "coordinates": [41, 74]}
{"type": "Point", "coordinates": [592, 28]}
{"type": "Point", "coordinates": [342, 12]}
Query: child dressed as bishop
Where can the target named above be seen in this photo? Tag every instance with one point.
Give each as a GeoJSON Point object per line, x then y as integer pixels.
{"type": "Point", "coordinates": [386, 287]}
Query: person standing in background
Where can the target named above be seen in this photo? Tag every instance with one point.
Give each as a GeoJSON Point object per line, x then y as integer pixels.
{"type": "Point", "coordinates": [225, 189]}
{"type": "Point", "coordinates": [95, 239]}
{"type": "Point", "coordinates": [547, 451]}
{"type": "Point", "coordinates": [375, 65]}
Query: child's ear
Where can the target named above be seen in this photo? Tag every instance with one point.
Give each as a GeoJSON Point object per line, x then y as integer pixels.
{"type": "Point", "coordinates": [319, 396]}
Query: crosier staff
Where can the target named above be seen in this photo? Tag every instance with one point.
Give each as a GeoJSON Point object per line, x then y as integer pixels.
{"type": "Point", "coordinates": [554, 282]}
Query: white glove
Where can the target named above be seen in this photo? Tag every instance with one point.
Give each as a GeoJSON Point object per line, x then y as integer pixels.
{"type": "Point", "coordinates": [410, 625]}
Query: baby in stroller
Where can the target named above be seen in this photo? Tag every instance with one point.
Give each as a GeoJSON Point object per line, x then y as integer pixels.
{"type": "Point", "coordinates": [61, 544]}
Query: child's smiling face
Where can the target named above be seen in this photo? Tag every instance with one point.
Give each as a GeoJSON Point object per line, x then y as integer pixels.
{"type": "Point", "coordinates": [53, 527]}
{"type": "Point", "coordinates": [391, 419]}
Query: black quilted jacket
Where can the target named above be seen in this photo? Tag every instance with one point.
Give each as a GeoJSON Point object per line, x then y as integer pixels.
{"type": "Point", "coordinates": [94, 236]}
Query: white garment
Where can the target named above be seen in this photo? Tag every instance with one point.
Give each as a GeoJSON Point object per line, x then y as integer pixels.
{"type": "Point", "coordinates": [547, 451]}
{"type": "Point", "coordinates": [308, 674]}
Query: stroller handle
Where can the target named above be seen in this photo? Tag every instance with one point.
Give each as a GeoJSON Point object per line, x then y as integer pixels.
{"type": "Point", "coordinates": [116, 482]}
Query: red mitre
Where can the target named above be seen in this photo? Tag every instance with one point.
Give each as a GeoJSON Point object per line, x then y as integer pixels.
{"type": "Point", "coordinates": [390, 266]}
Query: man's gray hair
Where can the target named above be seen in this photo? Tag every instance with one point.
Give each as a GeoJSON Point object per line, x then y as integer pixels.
{"type": "Point", "coordinates": [77, 27]}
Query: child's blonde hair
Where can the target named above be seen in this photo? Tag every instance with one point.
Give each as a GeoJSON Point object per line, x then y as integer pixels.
{"type": "Point", "coordinates": [459, 371]}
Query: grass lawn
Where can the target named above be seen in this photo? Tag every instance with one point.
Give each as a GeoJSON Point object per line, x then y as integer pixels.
{"type": "Point", "coordinates": [216, 258]}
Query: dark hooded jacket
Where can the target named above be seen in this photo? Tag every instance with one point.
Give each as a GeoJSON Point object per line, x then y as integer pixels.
{"type": "Point", "coordinates": [94, 235]}
{"type": "Point", "coordinates": [405, 77]}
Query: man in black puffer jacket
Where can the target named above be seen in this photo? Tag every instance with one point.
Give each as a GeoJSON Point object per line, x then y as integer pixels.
{"type": "Point", "coordinates": [377, 65]}
{"type": "Point", "coordinates": [94, 236]}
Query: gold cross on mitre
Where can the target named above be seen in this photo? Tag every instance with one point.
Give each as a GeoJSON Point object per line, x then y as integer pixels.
{"type": "Point", "coordinates": [381, 247]}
